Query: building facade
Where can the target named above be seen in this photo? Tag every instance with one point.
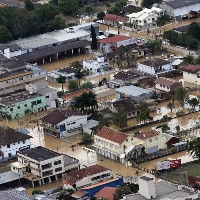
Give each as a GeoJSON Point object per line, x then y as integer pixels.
{"type": "Point", "coordinates": [21, 103]}
{"type": "Point", "coordinates": [12, 141]}
{"type": "Point", "coordinates": [114, 20]}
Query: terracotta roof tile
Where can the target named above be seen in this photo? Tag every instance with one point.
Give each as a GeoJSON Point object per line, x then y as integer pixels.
{"type": "Point", "coordinates": [148, 134]}
{"type": "Point", "coordinates": [74, 94]}
{"type": "Point", "coordinates": [113, 135]}
{"type": "Point", "coordinates": [10, 136]}
{"type": "Point", "coordinates": [74, 176]}
{"type": "Point", "coordinates": [115, 17]}
{"type": "Point", "coordinates": [59, 115]}
{"type": "Point", "coordinates": [191, 68]}
{"type": "Point", "coordinates": [79, 194]}
{"type": "Point", "coordinates": [114, 39]}
{"type": "Point", "coordinates": [167, 81]}
{"type": "Point", "coordinates": [106, 192]}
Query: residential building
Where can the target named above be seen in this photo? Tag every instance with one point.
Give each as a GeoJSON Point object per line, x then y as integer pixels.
{"type": "Point", "coordinates": [133, 92]}
{"type": "Point", "coordinates": [86, 176]}
{"type": "Point", "coordinates": [63, 123]}
{"type": "Point", "coordinates": [68, 72]}
{"type": "Point", "coordinates": [127, 106]}
{"type": "Point", "coordinates": [41, 165]}
{"type": "Point", "coordinates": [114, 20]}
{"type": "Point", "coordinates": [96, 65]}
{"type": "Point", "coordinates": [160, 190]}
{"type": "Point", "coordinates": [114, 144]}
{"type": "Point", "coordinates": [12, 141]}
{"type": "Point", "coordinates": [167, 84]}
{"type": "Point", "coordinates": [154, 67]}
{"type": "Point", "coordinates": [181, 29]}
{"type": "Point", "coordinates": [91, 190]}
{"type": "Point", "coordinates": [191, 74]}
{"type": "Point", "coordinates": [179, 9]}
{"type": "Point", "coordinates": [153, 140]}
{"type": "Point", "coordinates": [49, 93]}
{"type": "Point", "coordinates": [170, 140]}
{"type": "Point", "coordinates": [146, 18]}
{"type": "Point", "coordinates": [111, 44]}
{"type": "Point", "coordinates": [15, 75]}
{"type": "Point", "coordinates": [106, 193]}
{"type": "Point", "coordinates": [20, 103]}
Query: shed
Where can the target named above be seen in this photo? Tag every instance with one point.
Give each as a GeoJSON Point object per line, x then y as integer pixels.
{"type": "Point", "coordinates": [170, 140]}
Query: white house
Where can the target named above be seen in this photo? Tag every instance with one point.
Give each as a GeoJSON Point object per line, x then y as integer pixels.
{"type": "Point", "coordinates": [41, 165]}
{"type": "Point", "coordinates": [111, 44]}
{"type": "Point", "coordinates": [12, 141]}
{"type": "Point", "coordinates": [154, 67]}
{"type": "Point", "coordinates": [180, 8]}
{"type": "Point", "coordinates": [166, 84]}
{"type": "Point", "coordinates": [96, 65]}
{"type": "Point", "coordinates": [64, 123]}
{"type": "Point", "coordinates": [191, 74]}
{"type": "Point", "coordinates": [86, 176]}
{"type": "Point", "coordinates": [146, 18]}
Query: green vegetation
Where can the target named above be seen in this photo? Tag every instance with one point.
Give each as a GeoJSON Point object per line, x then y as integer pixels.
{"type": "Point", "coordinates": [170, 105]}
{"type": "Point", "coordinates": [103, 121]}
{"type": "Point", "coordinates": [79, 75]}
{"type": "Point", "coordinates": [194, 148]}
{"type": "Point", "coordinates": [87, 85]}
{"type": "Point", "coordinates": [149, 3]}
{"type": "Point", "coordinates": [37, 191]}
{"type": "Point", "coordinates": [164, 127]}
{"type": "Point", "coordinates": [60, 94]}
{"type": "Point", "coordinates": [181, 95]}
{"type": "Point", "coordinates": [87, 139]}
{"type": "Point", "coordinates": [25, 22]}
{"type": "Point", "coordinates": [193, 102]}
{"type": "Point", "coordinates": [119, 118]}
{"type": "Point", "coordinates": [161, 21]}
{"type": "Point", "coordinates": [89, 10]}
{"type": "Point", "coordinates": [154, 45]}
{"type": "Point", "coordinates": [68, 6]}
{"type": "Point", "coordinates": [144, 112]}
{"type": "Point", "coordinates": [117, 7]}
{"type": "Point", "coordinates": [61, 80]}
{"type": "Point", "coordinates": [101, 15]}
{"type": "Point", "coordinates": [72, 86]}
{"type": "Point", "coordinates": [121, 191]}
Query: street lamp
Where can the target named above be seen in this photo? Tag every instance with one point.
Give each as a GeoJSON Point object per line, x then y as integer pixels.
{"type": "Point", "coordinates": [184, 174]}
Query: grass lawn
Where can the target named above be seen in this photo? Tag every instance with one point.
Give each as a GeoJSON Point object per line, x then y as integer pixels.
{"type": "Point", "coordinates": [178, 176]}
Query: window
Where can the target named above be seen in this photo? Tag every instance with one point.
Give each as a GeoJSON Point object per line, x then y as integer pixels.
{"type": "Point", "coordinates": [39, 101]}
{"type": "Point", "coordinates": [58, 169]}
{"type": "Point", "coordinates": [11, 109]}
{"type": "Point", "coordinates": [106, 143]}
{"type": "Point", "coordinates": [160, 85]}
{"type": "Point", "coordinates": [150, 140]}
{"type": "Point", "coordinates": [57, 162]}
{"type": "Point", "coordinates": [116, 147]}
{"type": "Point", "coordinates": [156, 139]}
{"type": "Point", "coordinates": [126, 140]}
{"type": "Point", "coordinates": [25, 105]}
{"type": "Point", "coordinates": [20, 78]}
{"type": "Point", "coordinates": [111, 145]}
{"type": "Point", "coordinates": [8, 146]}
{"type": "Point", "coordinates": [47, 96]}
{"type": "Point", "coordinates": [18, 107]}
{"type": "Point", "coordinates": [9, 155]}
{"type": "Point", "coordinates": [167, 87]}
{"type": "Point", "coordinates": [73, 123]}
{"type": "Point", "coordinates": [15, 80]}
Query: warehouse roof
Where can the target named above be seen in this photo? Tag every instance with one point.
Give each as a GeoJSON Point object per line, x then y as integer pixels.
{"type": "Point", "coordinates": [181, 3]}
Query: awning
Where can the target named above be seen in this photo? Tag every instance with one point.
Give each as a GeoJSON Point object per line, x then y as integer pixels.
{"type": "Point", "coordinates": [177, 62]}
{"type": "Point", "coordinates": [127, 151]}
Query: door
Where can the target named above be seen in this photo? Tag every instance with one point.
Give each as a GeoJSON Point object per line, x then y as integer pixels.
{"type": "Point", "coordinates": [152, 149]}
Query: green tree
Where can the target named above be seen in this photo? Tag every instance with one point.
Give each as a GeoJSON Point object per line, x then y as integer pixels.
{"type": "Point", "coordinates": [61, 80]}
{"type": "Point", "coordinates": [170, 105]}
{"type": "Point", "coordinates": [134, 187]}
{"type": "Point", "coordinates": [87, 85]}
{"type": "Point", "coordinates": [193, 102]}
{"type": "Point", "coordinates": [89, 10]}
{"type": "Point", "coordinates": [68, 6]}
{"type": "Point", "coordinates": [154, 45]}
{"type": "Point", "coordinates": [76, 64]}
{"type": "Point", "coordinates": [37, 191]}
{"type": "Point", "coordinates": [72, 86]}
{"type": "Point", "coordinates": [162, 20]}
{"type": "Point", "coordinates": [101, 15]}
{"type": "Point", "coordinates": [29, 5]}
{"type": "Point", "coordinates": [79, 75]}
{"type": "Point", "coordinates": [60, 94]}
{"type": "Point", "coordinates": [189, 59]}
{"type": "Point", "coordinates": [197, 61]}
{"type": "Point", "coordinates": [94, 38]}
{"type": "Point", "coordinates": [119, 118]}
{"type": "Point", "coordinates": [194, 148]}
{"type": "Point", "coordinates": [143, 114]}
{"type": "Point", "coordinates": [121, 3]}
{"type": "Point", "coordinates": [87, 139]}
{"type": "Point", "coordinates": [121, 192]}
{"type": "Point", "coordinates": [194, 30]}
{"type": "Point", "coordinates": [181, 95]}
{"type": "Point", "coordinates": [5, 34]}
{"type": "Point", "coordinates": [103, 121]}
{"type": "Point", "coordinates": [154, 95]}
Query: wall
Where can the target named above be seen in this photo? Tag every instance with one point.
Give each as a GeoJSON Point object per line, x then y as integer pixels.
{"type": "Point", "coordinates": [163, 88]}
{"type": "Point", "coordinates": [13, 149]}
{"type": "Point", "coordinates": [95, 66]}
{"type": "Point", "coordinates": [191, 78]}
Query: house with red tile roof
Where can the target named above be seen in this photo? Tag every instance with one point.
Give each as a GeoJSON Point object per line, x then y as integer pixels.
{"type": "Point", "coordinates": [153, 140]}
{"type": "Point", "coordinates": [111, 44]}
{"type": "Point", "coordinates": [114, 20]}
{"type": "Point", "coordinates": [115, 144]}
{"type": "Point", "coordinates": [106, 192]}
{"type": "Point", "coordinates": [86, 176]}
{"type": "Point", "coordinates": [166, 84]}
{"type": "Point", "coordinates": [191, 74]}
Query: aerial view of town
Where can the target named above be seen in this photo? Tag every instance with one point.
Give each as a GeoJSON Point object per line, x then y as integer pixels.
{"type": "Point", "coordinates": [99, 99]}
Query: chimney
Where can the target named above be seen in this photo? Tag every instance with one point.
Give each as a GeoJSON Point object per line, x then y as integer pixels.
{"type": "Point", "coordinates": [147, 187]}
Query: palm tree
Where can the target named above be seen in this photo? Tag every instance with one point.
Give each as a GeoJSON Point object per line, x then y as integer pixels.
{"type": "Point", "coordinates": [61, 80]}
{"type": "Point", "coordinates": [79, 75]}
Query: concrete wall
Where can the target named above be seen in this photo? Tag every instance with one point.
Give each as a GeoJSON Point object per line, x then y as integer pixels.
{"type": "Point", "coordinates": [12, 149]}
{"type": "Point", "coordinates": [191, 78]}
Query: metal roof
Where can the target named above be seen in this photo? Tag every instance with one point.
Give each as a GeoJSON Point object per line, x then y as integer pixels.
{"type": "Point", "coordinates": [8, 177]}
{"type": "Point", "coordinates": [181, 3]}
{"type": "Point", "coordinates": [133, 90]}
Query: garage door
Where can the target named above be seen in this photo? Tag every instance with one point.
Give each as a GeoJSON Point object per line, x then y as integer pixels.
{"type": "Point", "coordinates": [152, 149]}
